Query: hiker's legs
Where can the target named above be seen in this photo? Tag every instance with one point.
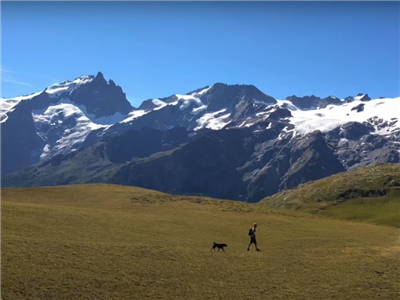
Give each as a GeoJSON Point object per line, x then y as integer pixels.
{"type": "Point", "coordinates": [252, 241]}
{"type": "Point", "coordinates": [255, 244]}
{"type": "Point", "coordinates": [248, 247]}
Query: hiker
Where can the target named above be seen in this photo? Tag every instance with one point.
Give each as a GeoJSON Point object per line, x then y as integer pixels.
{"type": "Point", "coordinates": [252, 234]}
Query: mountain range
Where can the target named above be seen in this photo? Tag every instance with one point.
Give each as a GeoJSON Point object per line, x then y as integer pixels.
{"type": "Point", "coordinates": [223, 141]}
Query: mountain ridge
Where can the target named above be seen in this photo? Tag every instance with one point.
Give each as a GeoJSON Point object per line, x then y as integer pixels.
{"type": "Point", "coordinates": [281, 144]}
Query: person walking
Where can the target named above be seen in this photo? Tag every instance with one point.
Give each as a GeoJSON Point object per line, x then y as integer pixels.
{"type": "Point", "coordinates": [253, 240]}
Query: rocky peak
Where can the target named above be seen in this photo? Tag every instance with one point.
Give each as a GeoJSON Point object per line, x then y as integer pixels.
{"type": "Point", "coordinates": [147, 105]}
{"type": "Point", "coordinates": [349, 99]}
{"type": "Point", "coordinates": [363, 97]}
{"type": "Point", "coordinates": [101, 98]}
{"type": "Point", "coordinates": [99, 78]}
{"type": "Point", "coordinates": [329, 101]}
{"type": "Point", "coordinates": [111, 83]}
{"type": "Point", "coordinates": [312, 101]}
{"type": "Point", "coordinates": [359, 97]}
{"type": "Point", "coordinates": [222, 95]}
{"type": "Point", "coordinates": [304, 102]}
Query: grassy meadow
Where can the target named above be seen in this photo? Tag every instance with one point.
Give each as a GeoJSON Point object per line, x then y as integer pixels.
{"type": "Point", "coordinates": [369, 194]}
{"type": "Point", "coordinates": [115, 242]}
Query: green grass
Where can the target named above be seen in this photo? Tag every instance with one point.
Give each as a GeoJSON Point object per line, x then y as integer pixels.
{"type": "Point", "coordinates": [372, 210]}
{"type": "Point", "coordinates": [349, 196]}
{"type": "Point", "coordinates": [115, 242]}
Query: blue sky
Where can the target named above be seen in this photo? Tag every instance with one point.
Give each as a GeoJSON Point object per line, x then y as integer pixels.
{"type": "Point", "coordinates": [155, 49]}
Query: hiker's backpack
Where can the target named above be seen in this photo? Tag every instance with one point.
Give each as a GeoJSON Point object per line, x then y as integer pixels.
{"type": "Point", "coordinates": [251, 231]}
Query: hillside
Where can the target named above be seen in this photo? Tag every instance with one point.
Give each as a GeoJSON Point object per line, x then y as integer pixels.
{"type": "Point", "coordinates": [116, 242]}
{"type": "Point", "coordinates": [369, 193]}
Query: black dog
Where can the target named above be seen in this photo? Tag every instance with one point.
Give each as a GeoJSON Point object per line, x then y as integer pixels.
{"type": "Point", "coordinates": [219, 246]}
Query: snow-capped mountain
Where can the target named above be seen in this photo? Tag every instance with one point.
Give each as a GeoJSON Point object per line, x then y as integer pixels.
{"type": "Point", "coordinates": [89, 110]}
{"type": "Point", "coordinates": [57, 119]}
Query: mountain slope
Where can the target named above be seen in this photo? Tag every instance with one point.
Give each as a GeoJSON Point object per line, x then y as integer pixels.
{"type": "Point", "coordinates": [206, 165]}
{"type": "Point", "coordinates": [369, 193]}
{"type": "Point", "coordinates": [97, 163]}
{"type": "Point", "coordinates": [240, 164]}
{"type": "Point", "coordinates": [21, 146]}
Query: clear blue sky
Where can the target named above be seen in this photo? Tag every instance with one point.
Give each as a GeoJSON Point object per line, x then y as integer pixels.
{"type": "Point", "coordinates": [155, 49]}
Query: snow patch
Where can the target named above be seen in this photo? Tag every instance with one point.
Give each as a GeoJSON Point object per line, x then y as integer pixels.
{"type": "Point", "coordinates": [183, 100]}
{"type": "Point", "coordinates": [202, 92]}
{"type": "Point", "coordinates": [262, 102]}
{"type": "Point", "coordinates": [199, 109]}
{"type": "Point", "coordinates": [261, 113]}
{"type": "Point", "coordinates": [134, 115]}
{"type": "Point", "coordinates": [70, 121]}
{"type": "Point", "coordinates": [107, 120]}
{"type": "Point", "coordinates": [56, 90]}
{"type": "Point", "coordinates": [213, 120]}
{"type": "Point", "coordinates": [8, 105]}
{"type": "Point", "coordinates": [28, 97]}
{"type": "Point", "coordinates": [343, 142]}
{"type": "Point", "coordinates": [327, 119]}
{"type": "Point", "coordinates": [287, 104]}
{"type": "Point", "coordinates": [158, 102]}
{"type": "Point", "coordinates": [186, 100]}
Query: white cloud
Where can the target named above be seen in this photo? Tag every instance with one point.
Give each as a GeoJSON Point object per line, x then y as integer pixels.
{"type": "Point", "coordinates": [8, 76]}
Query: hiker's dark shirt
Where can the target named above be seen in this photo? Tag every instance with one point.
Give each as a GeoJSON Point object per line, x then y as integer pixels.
{"type": "Point", "coordinates": [253, 232]}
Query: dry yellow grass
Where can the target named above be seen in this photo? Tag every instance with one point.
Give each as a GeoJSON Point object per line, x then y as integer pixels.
{"type": "Point", "coordinates": [113, 242]}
